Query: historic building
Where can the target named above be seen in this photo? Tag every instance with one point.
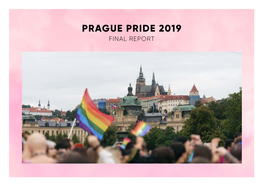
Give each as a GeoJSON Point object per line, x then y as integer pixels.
{"type": "Point", "coordinates": [167, 103]}
{"type": "Point", "coordinates": [38, 110]}
{"type": "Point", "coordinates": [130, 104]}
{"type": "Point", "coordinates": [194, 96]}
{"type": "Point", "coordinates": [54, 128]}
{"type": "Point", "coordinates": [147, 102]}
{"type": "Point", "coordinates": [149, 90]}
{"type": "Point", "coordinates": [112, 102]}
{"type": "Point", "coordinates": [100, 103]}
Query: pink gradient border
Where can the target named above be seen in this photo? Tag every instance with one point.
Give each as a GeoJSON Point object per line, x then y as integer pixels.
{"type": "Point", "coordinates": [60, 30]}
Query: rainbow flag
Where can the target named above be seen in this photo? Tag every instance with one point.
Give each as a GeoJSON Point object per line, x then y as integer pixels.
{"type": "Point", "coordinates": [125, 142]}
{"type": "Point", "coordinates": [141, 129]}
{"type": "Point", "coordinates": [91, 119]}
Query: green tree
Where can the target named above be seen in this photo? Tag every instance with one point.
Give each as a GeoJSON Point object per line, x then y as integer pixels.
{"type": "Point", "coordinates": [53, 138]}
{"type": "Point", "coordinates": [218, 108]}
{"type": "Point", "coordinates": [26, 106]}
{"type": "Point", "coordinates": [65, 135]}
{"type": "Point", "coordinates": [75, 139]}
{"type": "Point", "coordinates": [110, 136]}
{"type": "Point", "coordinates": [151, 137]}
{"type": "Point", "coordinates": [198, 104]}
{"type": "Point", "coordinates": [167, 137]}
{"type": "Point", "coordinates": [130, 136]}
{"type": "Point", "coordinates": [47, 135]}
{"type": "Point", "coordinates": [73, 114]}
{"type": "Point", "coordinates": [150, 110]}
{"type": "Point", "coordinates": [86, 141]}
{"type": "Point", "coordinates": [59, 136]}
{"type": "Point", "coordinates": [203, 123]}
{"type": "Point", "coordinates": [104, 110]}
{"type": "Point", "coordinates": [233, 122]}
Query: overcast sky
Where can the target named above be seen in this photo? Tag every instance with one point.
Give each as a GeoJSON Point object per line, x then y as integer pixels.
{"type": "Point", "coordinates": [62, 77]}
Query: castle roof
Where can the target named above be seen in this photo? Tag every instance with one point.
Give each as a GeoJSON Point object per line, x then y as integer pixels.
{"type": "Point", "coordinates": [194, 89]}
{"type": "Point", "coordinates": [175, 97]}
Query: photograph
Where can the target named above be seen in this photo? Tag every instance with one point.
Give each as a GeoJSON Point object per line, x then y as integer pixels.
{"type": "Point", "coordinates": [132, 107]}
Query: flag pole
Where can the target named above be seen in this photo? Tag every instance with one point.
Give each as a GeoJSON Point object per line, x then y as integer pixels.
{"type": "Point", "coordinates": [71, 128]}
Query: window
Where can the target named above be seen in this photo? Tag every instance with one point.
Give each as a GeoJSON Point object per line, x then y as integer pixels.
{"type": "Point", "coordinates": [57, 132]}
{"type": "Point", "coordinates": [32, 131]}
{"type": "Point", "coordinates": [52, 132]}
{"type": "Point", "coordinates": [177, 128]}
{"type": "Point", "coordinates": [43, 132]}
{"type": "Point", "coordinates": [177, 115]}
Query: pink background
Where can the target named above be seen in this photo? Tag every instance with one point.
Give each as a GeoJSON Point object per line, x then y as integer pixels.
{"type": "Point", "coordinates": [202, 30]}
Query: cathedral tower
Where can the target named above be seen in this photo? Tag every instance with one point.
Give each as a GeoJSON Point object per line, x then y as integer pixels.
{"type": "Point", "coordinates": [140, 81]}
{"type": "Point", "coordinates": [194, 96]}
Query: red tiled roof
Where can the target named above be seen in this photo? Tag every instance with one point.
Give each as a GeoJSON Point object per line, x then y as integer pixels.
{"type": "Point", "coordinates": [175, 97]}
{"type": "Point", "coordinates": [152, 97]}
{"type": "Point", "coordinates": [114, 100]}
{"type": "Point", "coordinates": [194, 89]}
{"type": "Point", "coordinates": [25, 109]}
{"type": "Point", "coordinates": [203, 101]}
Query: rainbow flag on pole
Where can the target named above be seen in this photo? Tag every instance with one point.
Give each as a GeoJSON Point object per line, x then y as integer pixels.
{"type": "Point", "coordinates": [125, 142]}
{"type": "Point", "coordinates": [141, 129]}
{"type": "Point", "coordinates": [91, 119]}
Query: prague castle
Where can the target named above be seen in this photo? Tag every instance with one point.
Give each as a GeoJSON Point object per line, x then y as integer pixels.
{"type": "Point", "coordinates": [149, 90]}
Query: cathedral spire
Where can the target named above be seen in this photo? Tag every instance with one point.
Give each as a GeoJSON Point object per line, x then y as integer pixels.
{"type": "Point", "coordinates": [169, 91]}
{"type": "Point", "coordinates": [141, 78]}
{"type": "Point", "coordinates": [153, 80]}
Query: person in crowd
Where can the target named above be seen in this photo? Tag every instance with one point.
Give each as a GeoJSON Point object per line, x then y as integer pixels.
{"type": "Point", "coordinates": [238, 140]}
{"type": "Point", "coordinates": [202, 151]}
{"type": "Point", "coordinates": [180, 155]}
{"type": "Point", "coordinates": [63, 146]}
{"type": "Point", "coordinates": [187, 145]}
{"type": "Point", "coordinates": [228, 144]}
{"type": "Point", "coordinates": [200, 160]}
{"type": "Point", "coordinates": [116, 154]}
{"type": "Point", "coordinates": [143, 150]}
{"type": "Point", "coordinates": [52, 152]}
{"type": "Point", "coordinates": [229, 158]}
{"type": "Point", "coordinates": [105, 156]}
{"type": "Point", "coordinates": [236, 151]}
{"type": "Point", "coordinates": [163, 154]}
{"type": "Point", "coordinates": [73, 157]}
{"type": "Point", "coordinates": [236, 135]}
{"type": "Point", "coordinates": [92, 155]}
{"type": "Point", "coordinates": [35, 150]}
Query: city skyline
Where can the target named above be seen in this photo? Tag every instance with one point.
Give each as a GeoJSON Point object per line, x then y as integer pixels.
{"type": "Point", "coordinates": [61, 77]}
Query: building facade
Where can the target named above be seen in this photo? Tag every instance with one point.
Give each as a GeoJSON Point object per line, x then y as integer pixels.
{"type": "Point", "coordinates": [149, 90]}
{"type": "Point", "coordinates": [167, 103]}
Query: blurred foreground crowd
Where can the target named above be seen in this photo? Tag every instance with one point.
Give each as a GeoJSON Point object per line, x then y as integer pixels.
{"type": "Point", "coordinates": [36, 149]}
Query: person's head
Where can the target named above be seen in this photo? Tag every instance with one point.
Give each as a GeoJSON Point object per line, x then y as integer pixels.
{"type": "Point", "coordinates": [180, 154]}
{"type": "Point", "coordinates": [238, 140]}
{"type": "Point", "coordinates": [236, 150]}
{"type": "Point", "coordinates": [187, 145]}
{"type": "Point", "coordinates": [125, 155]}
{"type": "Point", "coordinates": [118, 144]}
{"type": "Point", "coordinates": [202, 151]}
{"type": "Point", "coordinates": [63, 144]}
{"type": "Point", "coordinates": [236, 135]}
{"type": "Point", "coordinates": [130, 145]}
{"type": "Point", "coordinates": [92, 155]}
{"type": "Point", "coordinates": [200, 160]}
{"type": "Point", "coordinates": [163, 154]}
{"type": "Point", "coordinates": [228, 144]}
{"type": "Point", "coordinates": [52, 152]}
{"type": "Point", "coordinates": [73, 157]}
{"type": "Point", "coordinates": [36, 143]}
{"type": "Point", "coordinates": [143, 151]}
{"type": "Point", "coordinates": [71, 144]}
{"type": "Point", "coordinates": [80, 150]}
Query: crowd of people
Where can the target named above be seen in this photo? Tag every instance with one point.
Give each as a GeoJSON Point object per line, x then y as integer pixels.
{"type": "Point", "coordinates": [36, 149]}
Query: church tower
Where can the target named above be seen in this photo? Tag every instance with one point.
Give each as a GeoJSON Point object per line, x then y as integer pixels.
{"type": "Point", "coordinates": [169, 91]}
{"type": "Point", "coordinates": [157, 91]}
{"type": "Point", "coordinates": [39, 105]}
{"type": "Point", "coordinates": [153, 80]}
{"type": "Point", "coordinates": [194, 96]}
{"type": "Point", "coordinates": [48, 105]}
{"type": "Point", "coordinates": [140, 81]}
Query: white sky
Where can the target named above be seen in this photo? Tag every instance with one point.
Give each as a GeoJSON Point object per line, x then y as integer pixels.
{"type": "Point", "coordinates": [62, 77]}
